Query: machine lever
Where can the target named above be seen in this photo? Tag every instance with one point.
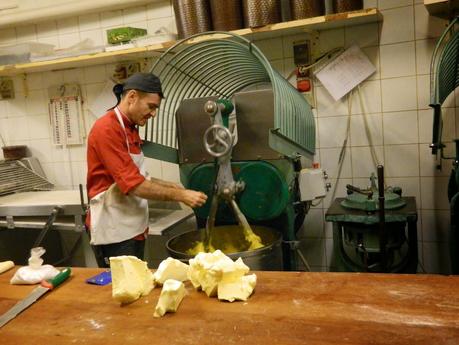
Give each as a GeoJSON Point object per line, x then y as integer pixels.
{"type": "Point", "coordinates": [210, 221]}
{"type": "Point", "coordinates": [243, 223]}
{"type": "Point", "coordinates": [367, 192]}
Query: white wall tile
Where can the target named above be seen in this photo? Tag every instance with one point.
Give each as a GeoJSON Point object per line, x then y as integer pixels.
{"type": "Point", "coordinates": [53, 40]}
{"type": "Point", "coordinates": [339, 186]}
{"type": "Point", "coordinates": [435, 225]}
{"type": "Point", "coordinates": [398, 60]}
{"type": "Point", "coordinates": [111, 19]}
{"type": "Point", "coordinates": [359, 133]}
{"type": "Point", "coordinates": [271, 48]}
{"type": "Point", "coordinates": [67, 26]}
{"type": "Point", "coordinates": [89, 21]}
{"type": "Point", "coordinates": [93, 90]}
{"type": "Point", "coordinates": [94, 74]}
{"type": "Point", "coordinates": [63, 174]}
{"type": "Point", "coordinates": [400, 127]}
{"type": "Point", "coordinates": [434, 194]}
{"type": "Point", "coordinates": [314, 251]}
{"type": "Point", "coordinates": [68, 40]}
{"type": "Point", "coordinates": [41, 148]}
{"type": "Point", "coordinates": [425, 125]}
{"type": "Point", "coordinates": [371, 97]}
{"type": "Point", "coordinates": [329, 162]}
{"type": "Point", "coordinates": [399, 94]}
{"type": "Point", "coordinates": [3, 109]}
{"type": "Point", "coordinates": [95, 36]}
{"type": "Point", "coordinates": [327, 106]}
{"type": "Point", "coordinates": [17, 129]}
{"type": "Point", "coordinates": [373, 55]}
{"type": "Point", "coordinates": [362, 35]}
{"type": "Point", "coordinates": [77, 153]}
{"type": "Point", "coordinates": [153, 166]}
{"type": "Point", "coordinates": [410, 187]}
{"type": "Point", "coordinates": [397, 25]}
{"type": "Point", "coordinates": [427, 26]}
{"type": "Point", "coordinates": [159, 10]}
{"type": "Point", "coordinates": [134, 14]}
{"type": "Point", "coordinates": [17, 107]}
{"type": "Point", "coordinates": [428, 163]}
{"type": "Point", "coordinates": [329, 252]}
{"type": "Point", "coordinates": [34, 81]}
{"type": "Point", "coordinates": [26, 33]}
{"type": "Point", "coordinates": [329, 39]}
{"type": "Point", "coordinates": [74, 75]}
{"type": "Point", "coordinates": [38, 126]}
{"type": "Point", "coordinates": [52, 79]}
{"type": "Point", "coordinates": [424, 51]}
{"type": "Point", "coordinates": [170, 172]}
{"type": "Point", "coordinates": [423, 83]}
{"type": "Point", "coordinates": [362, 160]}
{"type": "Point", "coordinates": [332, 131]}
{"type": "Point", "coordinates": [47, 29]}
{"type": "Point", "coordinates": [166, 23]}
{"type": "Point", "coordinates": [401, 160]}
{"type": "Point", "coordinates": [7, 36]}
{"type": "Point", "coordinates": [313, 226]}
{"type": "Point", "coordinates": [386, 4]}
{"type": "Point", "coordinates": [36, 103]}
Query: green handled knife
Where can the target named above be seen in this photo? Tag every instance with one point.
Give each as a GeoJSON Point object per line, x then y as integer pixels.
{"type": "Point", "coordinates": [44, 287]}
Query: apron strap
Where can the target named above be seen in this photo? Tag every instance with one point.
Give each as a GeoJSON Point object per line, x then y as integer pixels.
{"type": "Point", "coordinates": [120, 120]}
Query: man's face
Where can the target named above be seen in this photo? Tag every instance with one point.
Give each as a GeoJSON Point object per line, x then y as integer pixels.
{"type": "Point", "coordinates": [142, 106]}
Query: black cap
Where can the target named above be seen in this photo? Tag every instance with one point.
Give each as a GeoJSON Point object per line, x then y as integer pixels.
{"type": "Point", "coordinates": [146, 82]}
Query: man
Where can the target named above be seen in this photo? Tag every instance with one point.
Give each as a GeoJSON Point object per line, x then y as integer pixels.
{"type": "Point", "coordinates": [118, 185]}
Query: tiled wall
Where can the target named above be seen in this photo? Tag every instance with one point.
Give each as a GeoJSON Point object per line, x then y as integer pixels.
{"type": "Point", "coordinates": [395, 98]}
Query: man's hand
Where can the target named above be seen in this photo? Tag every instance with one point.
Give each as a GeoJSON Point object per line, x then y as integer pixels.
{"type": "Point", "coordinates": [193, 198]}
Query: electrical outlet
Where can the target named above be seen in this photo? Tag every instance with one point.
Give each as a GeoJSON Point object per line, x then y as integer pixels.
{"type": "Point", "coordinates": [6, 88]}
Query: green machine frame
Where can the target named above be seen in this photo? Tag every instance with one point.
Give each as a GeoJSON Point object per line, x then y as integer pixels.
{"type": "Point", "coordinates": [444, 79]}
{"type": "Point", "coordinates": [275, 128]}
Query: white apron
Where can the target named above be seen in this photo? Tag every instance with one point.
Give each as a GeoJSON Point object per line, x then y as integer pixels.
{"type": "Point", "coordinates": [116, 217]}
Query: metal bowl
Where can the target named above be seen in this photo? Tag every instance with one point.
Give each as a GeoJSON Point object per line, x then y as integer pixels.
{"type": "Point", "coordinates": [267, 258]}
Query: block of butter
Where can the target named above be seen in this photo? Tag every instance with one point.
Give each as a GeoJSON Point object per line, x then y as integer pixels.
{"type": "Point", "coordinates": [131, 278]}
{"type": "Point", "coordinates": [171, 295]}
{"type": "Point", "coordinates": [237, 289]}
{"type": "Point", "coordinates": [207, 270]}
{"type": "Point", "coordinates": [171, 269]}
{"type": "Point", "coordinates": [5, 266]}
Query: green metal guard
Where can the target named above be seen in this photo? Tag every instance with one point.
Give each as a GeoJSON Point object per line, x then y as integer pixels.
{"type": "Point", "coordinates": [444, 79]}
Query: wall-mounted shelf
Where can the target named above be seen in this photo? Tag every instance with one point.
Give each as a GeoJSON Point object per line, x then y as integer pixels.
{"type": "Point", "coordinates": [275, 30]}
{"type": "Point", "coordinates": [441, 8]}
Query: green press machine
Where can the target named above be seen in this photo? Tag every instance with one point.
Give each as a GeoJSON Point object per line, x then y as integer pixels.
{"type": "Point", "coordinates": [444, 78]}
{"type": "Point", "coordinates": [229, 119]}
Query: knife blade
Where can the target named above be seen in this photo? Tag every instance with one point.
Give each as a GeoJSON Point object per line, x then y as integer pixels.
{"type": "Point", "coordinates": [39, 291]}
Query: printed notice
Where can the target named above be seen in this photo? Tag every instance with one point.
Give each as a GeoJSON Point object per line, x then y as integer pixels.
{"type": "Point", "coordinates": [345, 72]}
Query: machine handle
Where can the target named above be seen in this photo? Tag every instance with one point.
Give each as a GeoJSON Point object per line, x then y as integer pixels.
{"type": "Point", "coordinates": [222, 138]}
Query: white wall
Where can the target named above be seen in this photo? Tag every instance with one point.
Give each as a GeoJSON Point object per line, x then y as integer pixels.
{"type": "Point", "coordinates": [396, 98]}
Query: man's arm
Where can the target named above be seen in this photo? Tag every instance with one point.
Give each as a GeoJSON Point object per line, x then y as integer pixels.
{"type": "Point", "coordinates": [156, 191]}
{"type": "Point", "coordinates": [165, 183]}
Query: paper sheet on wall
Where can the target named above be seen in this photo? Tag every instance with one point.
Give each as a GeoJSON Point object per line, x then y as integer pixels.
{"type": "Point", "coordinates": [105, 100]}
{"type": "Point", "coordinates": [345, 72]}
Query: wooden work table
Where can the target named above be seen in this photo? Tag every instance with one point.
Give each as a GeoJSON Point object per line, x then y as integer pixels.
{"type": "Point", "coordinates": [286, 308]}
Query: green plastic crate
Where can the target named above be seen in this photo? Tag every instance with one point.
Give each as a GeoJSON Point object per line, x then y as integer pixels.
{"type": "Point", "coordinates": [123, 35]}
